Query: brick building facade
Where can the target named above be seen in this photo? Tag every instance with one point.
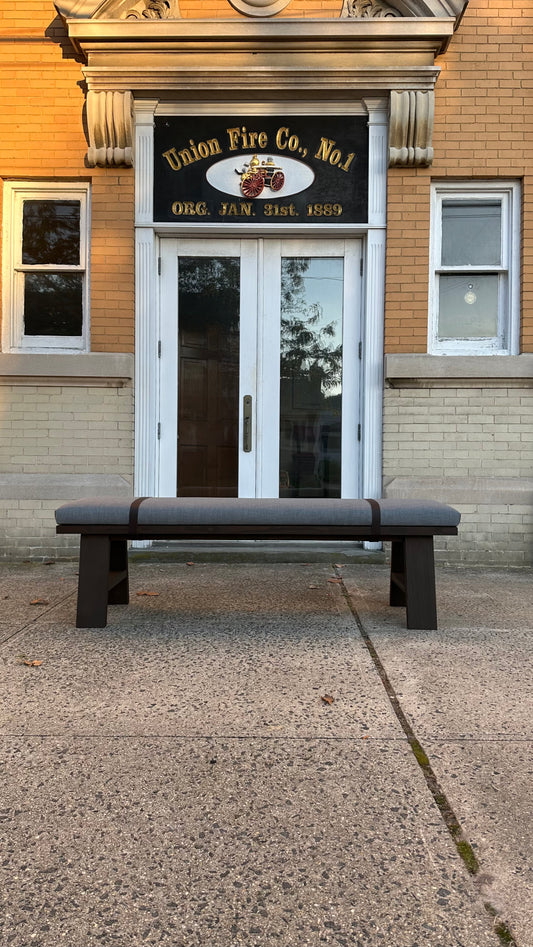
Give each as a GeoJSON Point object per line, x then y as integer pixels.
{"type": "Point", "coordinates": [402, 133]}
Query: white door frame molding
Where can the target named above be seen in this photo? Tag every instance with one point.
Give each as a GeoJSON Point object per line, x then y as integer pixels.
{"type": "Point", "coordinates": [147, 328]}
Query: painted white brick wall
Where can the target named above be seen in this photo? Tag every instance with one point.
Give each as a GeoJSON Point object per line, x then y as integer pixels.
{"type": "Point", "coordinates": [78, 431]}
{"type": "Point", "coordinates": [449, 434]}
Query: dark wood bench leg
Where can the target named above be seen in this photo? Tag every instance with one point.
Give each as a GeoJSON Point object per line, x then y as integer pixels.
{"type": "Point", "coordinates": [397, 574]}
{"type": "Point", "coordinates": [421, 602]}
{"type": "Point", "coordinates": [93, 581]}
{"type": "Point", "coordinates": [119, 591]}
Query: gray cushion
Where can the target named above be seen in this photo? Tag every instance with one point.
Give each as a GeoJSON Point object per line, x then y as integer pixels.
{"type": "Point", "coordinates": [111, 511]}
{"type": "Point", "coordinates": [417, 513]}
{"type": "Point", "coordinates": [167, 511]}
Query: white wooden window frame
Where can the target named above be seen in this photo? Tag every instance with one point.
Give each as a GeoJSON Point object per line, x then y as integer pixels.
{"type": "Point", "coordinates": [15, 194]}
{"type": "Point", "coordinates": [506, 342]}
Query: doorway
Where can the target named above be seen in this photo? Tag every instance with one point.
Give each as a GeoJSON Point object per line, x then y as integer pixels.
{"type": "Point", "coordinates": [259, 381]}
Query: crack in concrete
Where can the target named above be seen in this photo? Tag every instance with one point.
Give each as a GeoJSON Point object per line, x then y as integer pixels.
{"type": "Point", "coordinates": [450, 819]}
{"type": "Point", "coordinates": [40, 615]}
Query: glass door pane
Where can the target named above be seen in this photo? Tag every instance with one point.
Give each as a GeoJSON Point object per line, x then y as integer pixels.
{"type": "Point", "coordinates": [208, 376]}
{"type": "Point", "coordinates": [312, 296]}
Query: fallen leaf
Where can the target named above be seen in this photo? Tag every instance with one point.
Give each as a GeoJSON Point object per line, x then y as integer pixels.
{"type": "Point", "coordinates": [33, 664]}
{"type": "Point", "coordinates": [338, 581]}
{"type": "Point", "coordinates": [39, 601]}
{"type": "Point", "coordinates": [366, 737]}
{"type": "Point", "coordinates": [312, 586]}
{"type": "Point", "coordinates": [327, 698]}
{"type": "Point", "coordinates": [189, 563]}
{"type": "Point", "coordinates": [147, 593]}
{"type": "Point", "coordinates": [340, 565]}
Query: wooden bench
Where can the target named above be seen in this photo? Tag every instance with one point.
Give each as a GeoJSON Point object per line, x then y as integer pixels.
{"type": "Point", "coordinates": [106, 525]}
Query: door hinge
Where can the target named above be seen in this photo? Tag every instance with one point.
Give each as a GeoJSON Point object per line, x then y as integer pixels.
{"type": "Point", "coordinates": [159, 266]}
{"type": "Point", "coordinates": [360, 350]}
{"type": "Point", "coordinates": [159, 349]}
{"type": "Point", "coordinates": [358, 432]}
{"type": "Point", "coordinates": [361, 266]}
{"type": "Point", "coordinates": [159, 430]}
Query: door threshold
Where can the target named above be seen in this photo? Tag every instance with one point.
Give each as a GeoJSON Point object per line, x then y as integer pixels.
{"type": "Point", "coordinates": [259, 551]}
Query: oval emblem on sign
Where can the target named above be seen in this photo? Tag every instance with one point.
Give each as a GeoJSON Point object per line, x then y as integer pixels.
{"type": "Point", "coordinates": [260, 176]}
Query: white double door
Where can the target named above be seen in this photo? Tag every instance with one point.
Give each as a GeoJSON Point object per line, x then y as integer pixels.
{"type": "Point", "coordinates": [259, 367]}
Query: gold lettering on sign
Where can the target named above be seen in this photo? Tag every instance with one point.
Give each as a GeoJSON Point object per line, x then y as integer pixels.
{"type": "Point", "coordinates": [240, 137]}
{"type": "Point", "coordinates": [203, 149]}
{"type": "Point", "coordinates": [190, 209]}
{"type": "Point", "coordinates": [234, 209]}
{"type": "Point", "coordinates": [327, 152]}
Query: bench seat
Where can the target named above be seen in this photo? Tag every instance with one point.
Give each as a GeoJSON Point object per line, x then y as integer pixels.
{"type": "Point", "coordinates": [105, 525]}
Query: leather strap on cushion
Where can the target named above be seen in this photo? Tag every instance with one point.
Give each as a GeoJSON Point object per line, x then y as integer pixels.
{"type": "Point", "coordinates": [134, 514]}
{"type": "Point", "coordinates": [376, 516]}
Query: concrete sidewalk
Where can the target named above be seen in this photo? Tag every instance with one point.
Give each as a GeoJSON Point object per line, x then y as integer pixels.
{"type": "Point", "coordinates": [178, 778]}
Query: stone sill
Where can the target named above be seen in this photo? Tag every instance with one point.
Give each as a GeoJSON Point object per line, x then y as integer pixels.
{"type": "Point", "coordinates": [93, 370]}
{"type": "Point", "coordinates": [453, 371]}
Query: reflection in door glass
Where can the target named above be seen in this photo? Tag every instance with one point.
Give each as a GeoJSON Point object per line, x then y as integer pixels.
{"type": "Point", "coordinates": [311, 376]}
{"type": "Point", "coordinates": [208, 351]}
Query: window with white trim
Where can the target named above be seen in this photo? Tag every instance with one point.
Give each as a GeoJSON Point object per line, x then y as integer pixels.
{"type": "Point", "coordinates": [474, 295]}
{"type": "Point", "coordinates": [46, 257]}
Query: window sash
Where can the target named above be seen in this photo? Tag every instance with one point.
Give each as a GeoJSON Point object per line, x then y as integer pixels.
{"type": "Point", "coordinates": [505, 339]}
{"type": "Point", "coordinates": [13, 335]}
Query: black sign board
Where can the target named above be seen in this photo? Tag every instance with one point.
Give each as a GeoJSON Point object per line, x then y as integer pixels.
{"type": "Point", "coordinates": [260, 169]}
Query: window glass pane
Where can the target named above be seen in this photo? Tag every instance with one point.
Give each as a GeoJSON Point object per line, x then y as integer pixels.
{"type": "Point", "coordinates": [51, 233]}
{"type": "Point", "coordinates": [311, 376]}
{"type": "Point", "coordinates": [208, 376]}
{"type": "Point", "coordinates": [53, 303]}
{"type": "Point", "coordinates": [468, 307]}
{"type": "Point", "coordinates": [471, 233]}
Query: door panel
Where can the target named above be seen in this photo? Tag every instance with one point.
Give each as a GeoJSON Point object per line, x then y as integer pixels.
{"type": "Point", "coordinates": [276, 321]}
{"type": "Point", "coordinates": [311, 376]}
{"type": "Point", "coordinates": [208, 376]}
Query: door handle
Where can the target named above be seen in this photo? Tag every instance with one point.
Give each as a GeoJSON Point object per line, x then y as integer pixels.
{"type": "Point", "coordinates": [247, 423]}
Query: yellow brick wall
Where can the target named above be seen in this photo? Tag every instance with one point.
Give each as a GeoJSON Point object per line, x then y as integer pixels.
{"type": "Point", "coordinates": [42, 138]}
{"type": "Point", "coordinates": [483, 129]}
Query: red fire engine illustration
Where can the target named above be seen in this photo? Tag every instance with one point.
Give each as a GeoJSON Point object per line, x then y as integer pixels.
{"type": "Point", "coordinates": [256, 175]}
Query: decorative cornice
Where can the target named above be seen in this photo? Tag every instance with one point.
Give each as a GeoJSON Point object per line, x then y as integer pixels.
{"type": "Point", "coordinates": [149, 51]}
{"type": "Point", "coordinates": [153, 10]}
{"type": "Point", "coordinates": [259, 7]}
{"type": "Point", "coordinates": [363, 9]}
{"type": "Point", "coordinates": [367, 9]}
{"type": "Point", "coordinates": [118, 9]}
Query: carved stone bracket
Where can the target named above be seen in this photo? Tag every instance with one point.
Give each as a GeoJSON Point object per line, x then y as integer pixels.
{"type": "Point", "coordinates": [411, 129]}
{"type": "Point", "coordinates": [110, 121]}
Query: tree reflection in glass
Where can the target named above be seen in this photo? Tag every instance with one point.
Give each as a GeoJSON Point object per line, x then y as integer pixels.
{"type": "Point", "coordinates": [311, 376]}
